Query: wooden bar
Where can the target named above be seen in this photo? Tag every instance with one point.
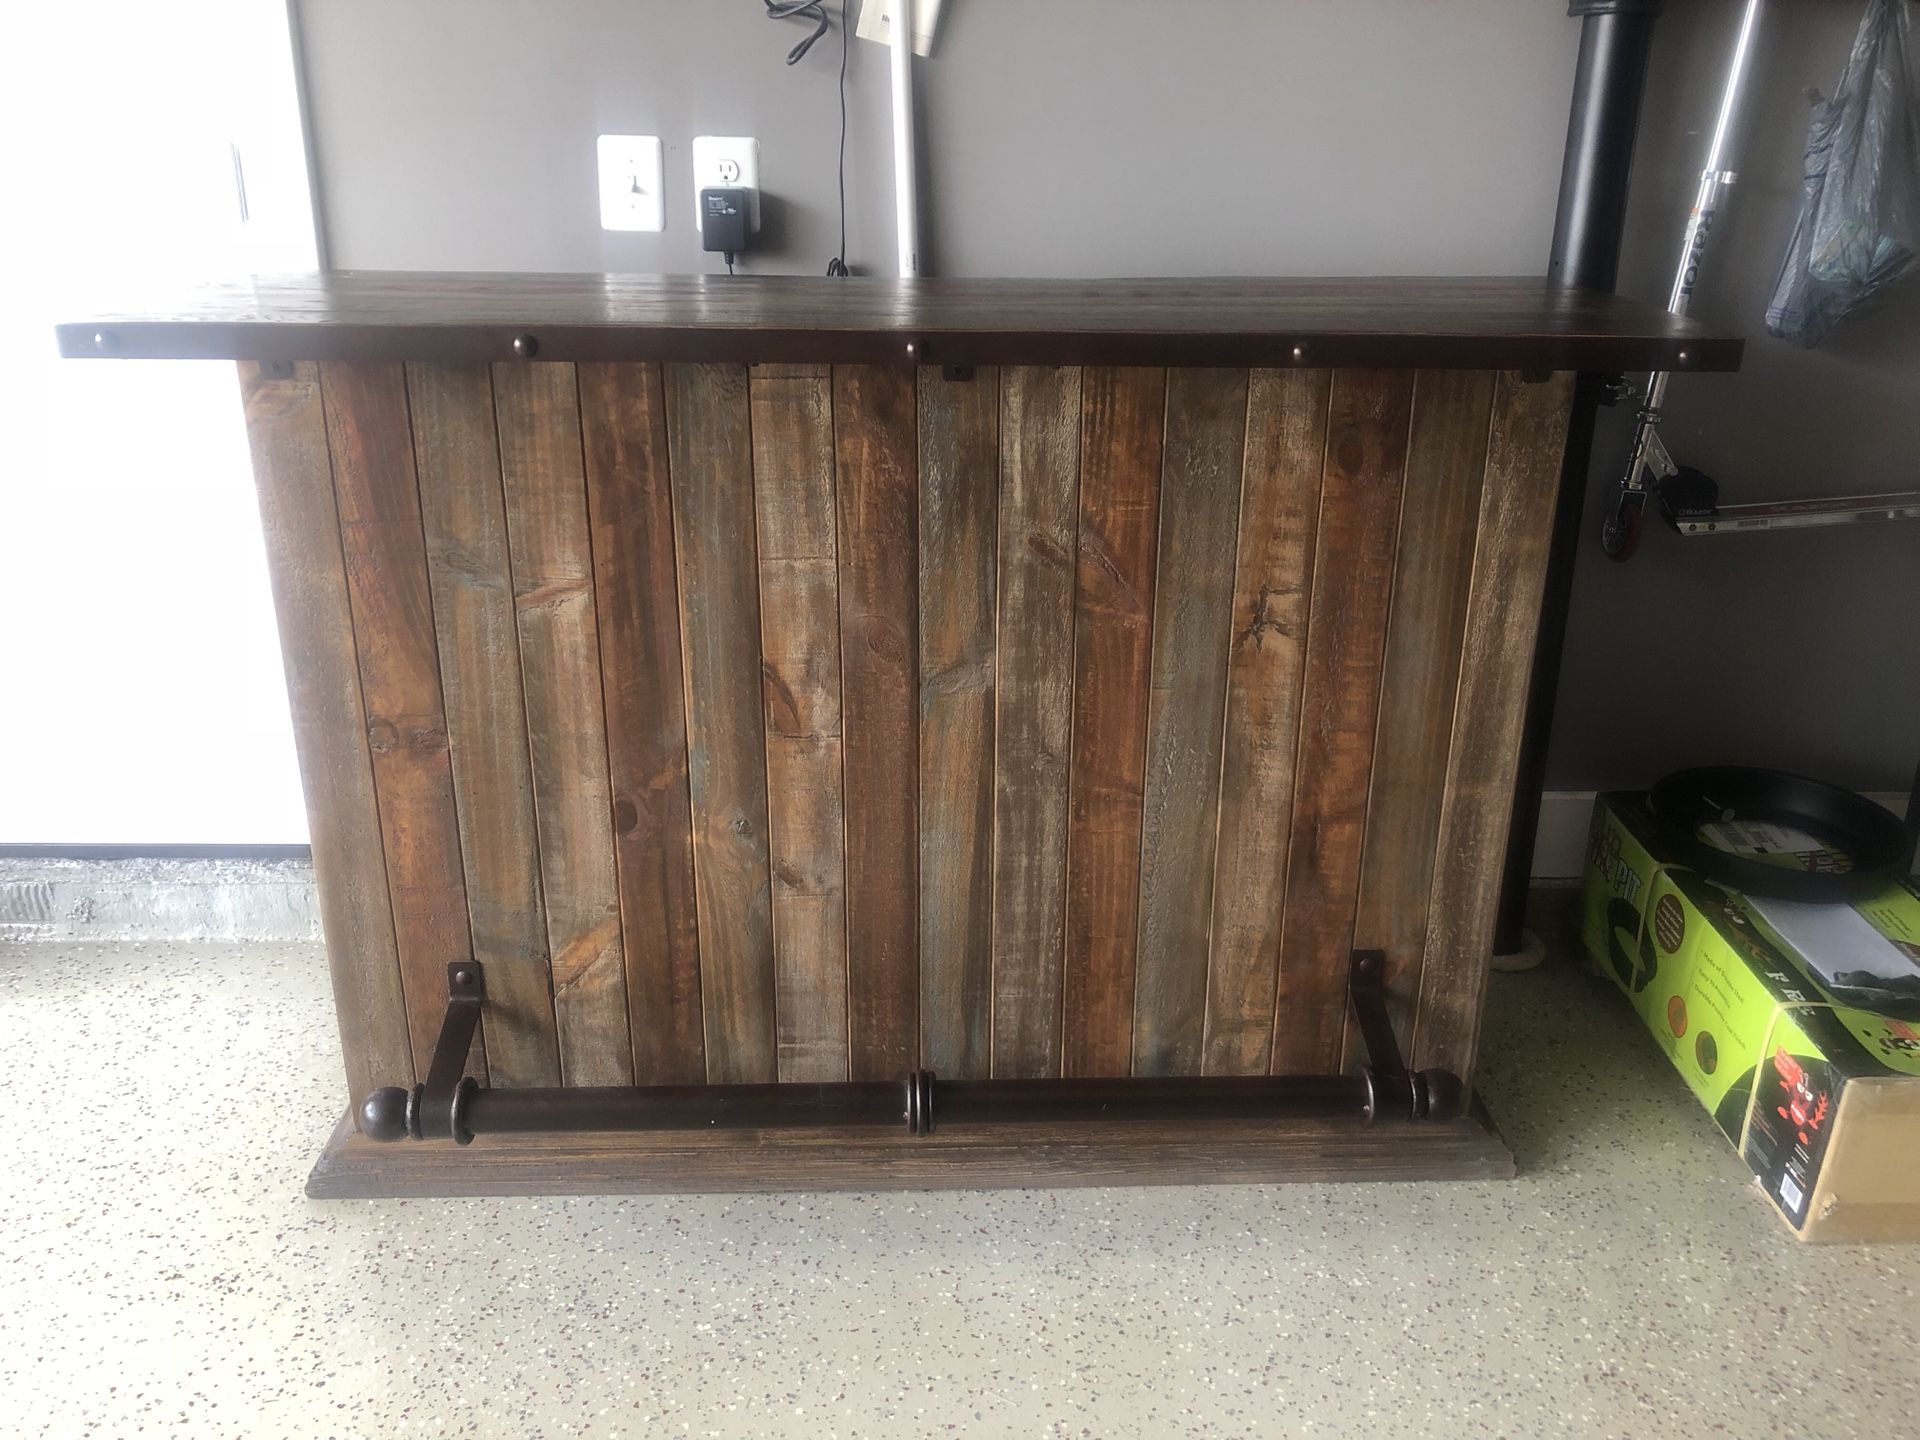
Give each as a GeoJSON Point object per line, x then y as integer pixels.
{"type": "Point", "coordinates": [286, 428]}
{"type": "Point", "coordinates": [1406, 322]}
{"type": "Point", "coordinates": [1123, 413]}
{"type": "Point", "coordinates": [1279, 515]}
{"type": "Point", "coordinates": [958, 548]}
{"type": "Point", "coordinates": [544, 475]}
{"type": "Point", "coordinates": [1509, 566]}
{"type": "Point", "coordinates": [877, 477]}
{"type": "Point", "coordinates": [779, 681]}
{"type": "Point", "coordinates": [792, 419]}
{"type": "Point", "coordinates": [712, 460]}
{"type": "Point", "coordinates": [369, 434]}
{"type": "Point", "coordinates": [1355, 544]}
{"type": "Point", "coordinates": [636, 599]}
{"type": "Point", "coordinates": [1039, 495]}
{"type": "Point", "coordinates": [1446, 457]}
{"type": "Point", "coordinates": [457, 453]}
{"type": "Point", "coordinates": [1192, 621]}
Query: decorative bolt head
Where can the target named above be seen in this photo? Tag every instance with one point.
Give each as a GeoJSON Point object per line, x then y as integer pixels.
{"type": "Point", "coordinates": [526, 346]}
{"type": "Point", "coordinates": [1299, 352]}
{"type": "Point", "coordinates": [913, 348]}
{"type": "Point", "coordinates": [1684, 357]}
{"type": "Point", "coordinates": [463, 977]}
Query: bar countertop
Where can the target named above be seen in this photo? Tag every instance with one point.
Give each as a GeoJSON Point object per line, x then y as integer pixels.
{"type": "Point", "coordinates": [1438, 323]}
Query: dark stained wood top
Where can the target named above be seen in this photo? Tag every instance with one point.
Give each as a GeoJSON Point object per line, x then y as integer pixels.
{"type": "Point", "coordinates": [412, 315]}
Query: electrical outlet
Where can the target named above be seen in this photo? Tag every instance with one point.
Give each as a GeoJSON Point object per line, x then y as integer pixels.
{"type": "Point", "coordinates": [876, 23]}
{"type": "Point", "coordinates": [633, 193]}
{"type": "Point", "coordinates": [723, 162]}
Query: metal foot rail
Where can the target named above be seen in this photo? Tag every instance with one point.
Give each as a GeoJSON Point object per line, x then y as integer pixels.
{"type": "Point", "coordinates": [451, 1105]}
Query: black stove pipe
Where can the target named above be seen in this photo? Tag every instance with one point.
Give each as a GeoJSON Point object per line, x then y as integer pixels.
{"type": "Point", "coordinates": [1616, 37]}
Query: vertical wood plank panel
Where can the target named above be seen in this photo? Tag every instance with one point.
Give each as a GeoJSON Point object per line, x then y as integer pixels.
{"type": "Point", "coordinates": [1123, 414]}
{"type": "Point", "coordinates": [792, 409]}
{"type": "Point", "coordinates": [537, 407]}
{"type": "Point", "coordinates": [707, 436]}
{"type": "Point", "coordinates": [456, 451]}
{"type": "Point", "coordinates": [876, 465]}
{"type": "Point", "coordinates": [369, 433]}
{"type": "Point", "coordinates": [1346, 635]}
{"type": "Point", "coordinates": [1279, 510]}
{"type": "Point", "coordinates": [1033, 721]}
{"type": "Point", "coordinates": [1446, 456]}
{"type": "Point", "coordinates": [637, 610]}
{"type": "Point", "coordinates": [959, 507]}
{"type": "Point", "coordinates": [1509, 565]}
{"type": "Point", "coordinates": [286, 430]}
{"type": "Point", "coordinates": [1193, 616]}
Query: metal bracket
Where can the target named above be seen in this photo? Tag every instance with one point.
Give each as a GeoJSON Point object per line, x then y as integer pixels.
{"type": "Point", "coordinates": [434, 1108]}
{"type": "Point", "coordinates": [1394, 1092]}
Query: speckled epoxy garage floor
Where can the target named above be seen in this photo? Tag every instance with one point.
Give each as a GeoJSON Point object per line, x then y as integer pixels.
{"type": "Point", "coordinates": [163, 1274]}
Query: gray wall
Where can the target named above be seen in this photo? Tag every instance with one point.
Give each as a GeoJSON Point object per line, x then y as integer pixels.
{"type": "Point", "coordinates": [1794, 648]}
{"type": "Point", "coordinates": [1089, 137]}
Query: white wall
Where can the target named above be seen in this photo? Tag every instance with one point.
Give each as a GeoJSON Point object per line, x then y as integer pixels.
{"type": "Point", "coordinates": [140, 689]}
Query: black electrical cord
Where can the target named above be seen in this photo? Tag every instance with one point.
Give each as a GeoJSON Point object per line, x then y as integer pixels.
{"type": "Point", "coordinates": [816, 11]}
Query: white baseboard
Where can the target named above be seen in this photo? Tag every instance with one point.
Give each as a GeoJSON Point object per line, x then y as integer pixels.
{"type": "Point", "coordinates": [121, 900]}
{"type": "Point", "coordinates": [1560, 847]}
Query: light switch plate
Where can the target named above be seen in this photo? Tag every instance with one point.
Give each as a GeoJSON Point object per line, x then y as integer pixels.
{"type": "Point", "coordinates": [633, 191]}
{"type": "Point", "coordinates": [876, 23]}
{"type": "Point", "coordinates": [727, 160]}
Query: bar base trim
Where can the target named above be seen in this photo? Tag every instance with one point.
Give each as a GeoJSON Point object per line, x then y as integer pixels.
{"type": "Point", "coordinates": [353, 1166]}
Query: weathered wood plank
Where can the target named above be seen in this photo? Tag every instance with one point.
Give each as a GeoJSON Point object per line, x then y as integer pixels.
{"type": "Point", "coordinates": [286, 429]}
{"type": "Point", "coordinates": [637, 610]}
{"type": "Point", "coordinates": [1279, 512]}
{"type": "Point", "coordinates": [1123, 417]}
{"type": "Point", "coordinates": [792, 410]}
{"type": "Point", "coordinates": [537, 407]}
{"type": "Point", "coordinates": [456, 451]}
{"type": "Point", "coordinates": [713, 521]}
{"type": "Point", "coordinates": [1346, 634]}
{"type": "Point", "coordinates": [1192, 622]}
{"type": "Point", "coordinates": [959, 508]}
{"type": "Point", "coordinates": [1033, 722]}
{"type": "Point", "coordinates": [876, 483]}
{"type": "Point", "coordinates": [1446, 456]}
{"type": "Point", "coordinates": [368, 432]}
{"type": "Point", "coordinates": [1509, 566]}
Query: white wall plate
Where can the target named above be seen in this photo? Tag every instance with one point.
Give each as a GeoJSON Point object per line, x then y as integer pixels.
{"type": "Point", "coordinates": [633, 193]}
{"type": "Point", "coordinates": [725, 160]}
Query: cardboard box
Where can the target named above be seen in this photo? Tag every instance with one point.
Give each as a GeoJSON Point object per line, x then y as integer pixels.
{"type": "Point", "coordinates": [1821, 1099]}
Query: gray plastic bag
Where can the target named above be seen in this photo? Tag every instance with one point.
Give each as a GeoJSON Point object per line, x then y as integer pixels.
{"type": "Point", "coordinates": [1858, 229]}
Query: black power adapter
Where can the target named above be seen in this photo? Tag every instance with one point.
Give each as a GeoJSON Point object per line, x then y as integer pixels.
{"type": "Point", "coordinates": [724, 220]}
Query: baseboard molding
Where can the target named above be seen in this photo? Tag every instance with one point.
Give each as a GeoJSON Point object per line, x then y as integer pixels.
{"type": "Point", "coordinates": [71, 899]}
{"type": "Point", "coordinates": [1560, 846]}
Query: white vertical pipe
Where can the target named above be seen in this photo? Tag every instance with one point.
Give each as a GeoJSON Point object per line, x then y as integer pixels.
{"type": "Point", "coordinates": [906, 195]}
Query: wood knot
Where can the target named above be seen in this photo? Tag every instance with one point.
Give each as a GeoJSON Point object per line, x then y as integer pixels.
{"type": "Point", "coordinates": [626, 815]}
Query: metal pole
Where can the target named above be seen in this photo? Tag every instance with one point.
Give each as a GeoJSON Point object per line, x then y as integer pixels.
{"type": "Point", "coordinates": [906, 197]}
{"type": "Point", "coordinates": [452, 1105]}
{"type": "Point", "coordinates": [1647, 451]}
{"type": "Point", "coordinates": [1616, 37]}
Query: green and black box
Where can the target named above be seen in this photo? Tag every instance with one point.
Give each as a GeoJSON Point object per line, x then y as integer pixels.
{"type": "Point", "coordinates": [1821, 1099]}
